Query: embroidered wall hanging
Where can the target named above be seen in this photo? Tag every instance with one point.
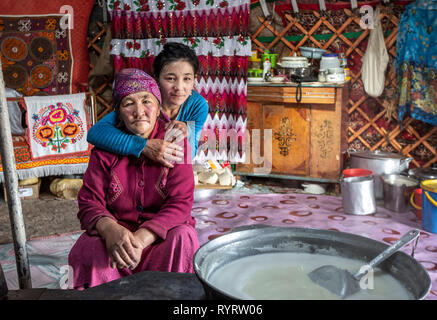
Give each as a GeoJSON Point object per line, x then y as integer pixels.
{"type": "Point", "coordinates": [36, 54]}
{"type": "Point", "coordinates": [75, 42]}
{"type": "Point", "coordinates": [216, 30]}
{"type": "Point", "coordinates": [28, 168]}
{"type": "Point", "coordinates": [416, 61]}
{"type": "Point", "coordinates": [57, 126]}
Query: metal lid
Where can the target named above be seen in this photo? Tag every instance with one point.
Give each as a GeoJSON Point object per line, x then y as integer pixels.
{"type": "Point", "coordinates": [378, 155]}
{"type": "Point", "coordinates": [399, 180]}
{"type": "Point", "coordinates": [294, 58]}
{"type": "Point", "coordinates": [424, 173]}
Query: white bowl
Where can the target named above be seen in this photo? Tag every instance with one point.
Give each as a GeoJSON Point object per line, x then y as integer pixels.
{"type": "Point", "coordinates": [313, 188]}
{"type": "Point", "coordinates": [335, 77]}
{"type": "Point", "coordinates": [250, 79]}
{"type": "Point", "coordinates": [277, 79]}
{"type": "Point", "coordinates": [204, 194]}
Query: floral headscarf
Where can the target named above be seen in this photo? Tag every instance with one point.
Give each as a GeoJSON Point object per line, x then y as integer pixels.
{"type": "Point", "coordinates": [132, 80]}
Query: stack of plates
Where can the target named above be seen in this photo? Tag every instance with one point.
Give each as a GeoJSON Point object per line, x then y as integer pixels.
{"type": "Point", "coordinates": [250, 79]}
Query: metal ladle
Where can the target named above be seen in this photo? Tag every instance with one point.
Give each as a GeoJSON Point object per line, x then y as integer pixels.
{"type": "Point", "coordinates": [343, 283]}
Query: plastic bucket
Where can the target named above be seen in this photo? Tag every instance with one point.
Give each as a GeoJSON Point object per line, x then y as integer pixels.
{"type": "Point", "coordinates": [356, 172]}
{"type": "Point", "coordinates": [429, 205]}
{"type": "Point", "coordinates": [416, 202]}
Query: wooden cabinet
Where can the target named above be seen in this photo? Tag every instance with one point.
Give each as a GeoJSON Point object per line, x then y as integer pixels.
{"type": "Point", "coordinates": [307, 139]}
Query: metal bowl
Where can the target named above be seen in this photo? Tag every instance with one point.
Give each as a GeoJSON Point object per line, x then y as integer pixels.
{"type": "Point", "coordinates": [265, 239]}
{"type": "Point", "coordinates": [314, 53]}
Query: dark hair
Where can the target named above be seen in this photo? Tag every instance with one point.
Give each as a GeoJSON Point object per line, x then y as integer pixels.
{"type": "Point", "coordinates": [174, 51]}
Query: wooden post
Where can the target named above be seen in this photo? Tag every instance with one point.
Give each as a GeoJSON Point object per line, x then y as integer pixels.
{"type": "Point", "coordinates": [11, 182]}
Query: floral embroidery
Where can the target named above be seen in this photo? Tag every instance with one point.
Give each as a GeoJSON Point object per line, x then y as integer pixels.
{"type": "Point", "coordinates": [223, 4]}
{"type": "Point", "coordinates": [177, 5]}
{"type": "Point", "coordinates": [115, 188]}
{"type": "Point", "coordinates": [57, 125]}
{"type": "Point", "coordinates": [135, 45]}
{"type": "Point", "coordinates": [192, 42]}
{"type": "Point", "coordinates": [219, 42]}
{"type": "Point", "coordinates": [243, 40]}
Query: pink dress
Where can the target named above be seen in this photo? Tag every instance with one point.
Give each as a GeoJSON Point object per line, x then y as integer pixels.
{"type": "Point", "coordinates": [136, 192]}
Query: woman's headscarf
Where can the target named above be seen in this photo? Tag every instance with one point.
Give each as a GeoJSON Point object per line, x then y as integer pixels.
{"type": "Point", "coordinates": [132, 80]}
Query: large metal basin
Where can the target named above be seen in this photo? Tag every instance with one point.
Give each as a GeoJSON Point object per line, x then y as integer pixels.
{"type": "Point", "coordinates": [238, 244]}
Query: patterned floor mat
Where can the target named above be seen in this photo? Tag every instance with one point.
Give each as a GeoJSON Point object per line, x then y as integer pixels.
{"type": "Point", "coordinates": [48, 256]}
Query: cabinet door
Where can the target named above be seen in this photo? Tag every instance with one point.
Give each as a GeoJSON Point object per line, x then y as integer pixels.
{"type": "Point", "coordinates": [328, 137]}
{"type": "Point", "coordinates": [253, 122]}
{"type": "Point", "coordinates": [290, 137]}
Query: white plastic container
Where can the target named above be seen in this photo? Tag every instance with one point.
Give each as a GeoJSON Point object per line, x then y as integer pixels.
{"type": "Point", "coordinates": [329, 61]}
{"type": "Point", "coordinates": [335, 77]}
{"type": "Point", "coordinates": [266, 67]}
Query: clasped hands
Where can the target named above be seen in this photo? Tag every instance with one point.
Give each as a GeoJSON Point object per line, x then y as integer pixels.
{"type": "Point", "coordinates": [168, 151]}
{"type": "Point", "coordinates": [124, 247]}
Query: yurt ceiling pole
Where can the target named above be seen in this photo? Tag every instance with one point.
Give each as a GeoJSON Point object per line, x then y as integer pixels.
{"type": "Point", "coordinates": [294, 6]}
{"type": "Point", "coordinates": [264, 8]}
{"type": "Point", "coordinates": [11, 181]}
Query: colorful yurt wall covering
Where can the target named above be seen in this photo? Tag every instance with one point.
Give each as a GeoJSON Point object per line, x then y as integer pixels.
{"type": "Point", "coordinates": [216, 30]}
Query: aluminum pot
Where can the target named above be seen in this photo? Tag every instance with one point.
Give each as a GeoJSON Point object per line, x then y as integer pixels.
{"type": "Point", "coordinates": [293, 62]}
{"type": "Point", "coordinates": [397, 191]}
{"type": "Point", "coordinates": [266, 239]}
{"type": "Point", "coordinates": [357, 194]}
{"type": "Point", "coordinates": [423, 174]}
{"type": "Point", "coordinates": [380, 163]}
{"type": "Point", "coordinates": [302, 72]}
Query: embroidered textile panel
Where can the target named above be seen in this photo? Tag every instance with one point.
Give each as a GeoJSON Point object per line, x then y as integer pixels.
{"type": "Point", "coordinates": [36, 54]}
{"type": "Point", "coordinates": [216, 30]}
{"type": "Point", "coordinates": [416, 62]}
{"type": "Point", "coordinates": [28, 168]}
{"type": "Point", "coordinates": [79, 12]}
{"type": "Point", "coordinates": [57, 126]}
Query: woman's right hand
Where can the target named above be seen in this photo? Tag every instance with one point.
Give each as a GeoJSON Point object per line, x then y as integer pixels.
{"type": "Point", "coordinates": [121, 244]}
{"type": "Point", "coordinates": [164, 152]}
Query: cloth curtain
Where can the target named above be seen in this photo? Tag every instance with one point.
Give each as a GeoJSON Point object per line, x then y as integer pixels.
{"type": "Point", "coordinates": [217, 31]}
{"type": "Point", "coordinates": [416, 61]}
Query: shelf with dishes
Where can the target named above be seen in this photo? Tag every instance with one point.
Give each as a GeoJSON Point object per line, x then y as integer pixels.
{"type": "Point", "coordinates": [332, 68]}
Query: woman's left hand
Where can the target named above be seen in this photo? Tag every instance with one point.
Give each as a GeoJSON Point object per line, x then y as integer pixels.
{"type": "Point", "coordinates": [176, 131]}
{"type": "Point", "coordinates": [145, 238]}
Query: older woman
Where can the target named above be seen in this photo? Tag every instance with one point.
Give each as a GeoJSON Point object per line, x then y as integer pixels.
{"type": "Point", "coordinates": [136, 212]}
{"type": "Point", "coordinates": [175, 69]}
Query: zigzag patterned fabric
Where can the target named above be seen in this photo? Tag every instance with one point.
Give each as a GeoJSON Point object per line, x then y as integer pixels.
{"type": "Point", "coordinates": [218, 31]}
